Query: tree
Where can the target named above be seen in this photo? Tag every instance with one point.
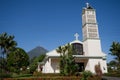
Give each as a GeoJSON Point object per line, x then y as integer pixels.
{"type": "Point", "coordinates": [7, 43]}
{"type": "Point", "coordinates": [115, 51]}
{"type": "Point", "coordinates": [34, 63]}
{"type": "Point", "coordinates": [17, 59]}
{"type": "Point", "coordinates": [112, 65]}
{"type": "Point", "coordinates": [67, 62]}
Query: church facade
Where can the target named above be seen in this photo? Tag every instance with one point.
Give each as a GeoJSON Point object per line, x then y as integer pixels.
{"type": "Point", "coordinates": [89, 50]}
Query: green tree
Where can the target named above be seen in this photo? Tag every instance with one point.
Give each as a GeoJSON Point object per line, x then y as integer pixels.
{"type": "Point", "coordinates": [3, 63]}
{"type": "Point", "coordinates": [67, 62]}
{"type": "Point", "coordinates": [115, 51]}
{"type": "Point", "coordinates": [17, 59]}
{"type": "Point", "coordinates": [112, 65]}
{"type": "Point", "coordinates": [34, 64]}
{"type": "Point", "coordinates": [7, 43]}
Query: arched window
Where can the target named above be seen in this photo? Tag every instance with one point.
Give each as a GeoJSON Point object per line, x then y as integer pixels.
{"type": "Point", "coordinates": [78, 49]}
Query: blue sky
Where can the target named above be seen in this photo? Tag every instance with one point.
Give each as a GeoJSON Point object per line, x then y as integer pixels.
{"type": "Point", "coordinates": [51, 23]}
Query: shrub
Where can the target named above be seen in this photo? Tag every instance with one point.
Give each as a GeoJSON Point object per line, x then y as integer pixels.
{"type": "Point", "coordinates": [15, 75]}
{"type": "Point", "coordinates": [25, 75]}
{"type": "Point", "coordinates": [86, 74]}
{"type": "Point", "coordinates": [37, 74]}
{"type": "Point", "coordinates": [5, 75]}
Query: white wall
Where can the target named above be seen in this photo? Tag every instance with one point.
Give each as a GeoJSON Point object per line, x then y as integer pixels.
{"type": "Point", "coordinates": [92, 47]}
{"type": "Point", "coordinates": [51, 66]}
{"type": "Point", "coordinates": [104, 66]}
{"type": "Point", "coordinates": [47, 67]}
{"type": "Point", "coordinates": [87, 66]}
{"type": "Point", "coordinates": [94, 62]}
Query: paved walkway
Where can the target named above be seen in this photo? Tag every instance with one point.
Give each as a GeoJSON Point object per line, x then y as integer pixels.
{"type": "Point", "coordinates": [110, 78]}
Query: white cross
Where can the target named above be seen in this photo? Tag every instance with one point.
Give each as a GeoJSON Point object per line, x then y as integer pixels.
{"type": "Point", "coordinates": [87, 5]}
{"type": "Point", "coordinates": [76, 36]}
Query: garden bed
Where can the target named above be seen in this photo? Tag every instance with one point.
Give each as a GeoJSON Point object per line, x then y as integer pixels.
{"type": "Point", "coordinates": [54, 78]}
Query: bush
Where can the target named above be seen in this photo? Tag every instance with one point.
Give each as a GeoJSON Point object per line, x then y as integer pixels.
{"type": "Point", "coordinates": [50, 74]}
{"type": "Point", "coordinates": [86, 74]}
{"type": "Point", "coordinates": [15, 75]}
{"type": "Point", "coordinates": [25, 75]}
{"type": "Point", "coordinates": [37, 74]}
{"type": "Point", "coordinates": [5, 75]}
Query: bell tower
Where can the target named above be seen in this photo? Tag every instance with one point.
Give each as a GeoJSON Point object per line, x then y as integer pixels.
{"type": "Point", "coordinates": [91, 40]}
{"type": "Point", "coordinates": [89, 23]}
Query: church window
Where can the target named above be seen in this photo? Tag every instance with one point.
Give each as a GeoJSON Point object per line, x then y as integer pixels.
{"type": "Point", "coordinates": [78, 49]}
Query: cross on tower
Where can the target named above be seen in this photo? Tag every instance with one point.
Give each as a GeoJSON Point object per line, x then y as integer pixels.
{"type": "Point", "coordinates": [76, 36]}
{"type": "Point", "coordinates": [87, 5]}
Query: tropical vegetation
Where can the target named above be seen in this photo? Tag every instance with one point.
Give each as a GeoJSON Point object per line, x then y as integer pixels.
{"type": "Point", "coordinates": [67, 61]}
{"type": "Point", "coordinates": [34, 62]}
{"type": "Point", "coordinates": [7, 44]}
{"type": "Point", "coordinates": [17, 60]}
{"type": "Point", "coordinates": [115, 51]}
{"type": "Point", "coordinates": [114, 65]}
{"type": "Point", "coordinates": [14, 62]}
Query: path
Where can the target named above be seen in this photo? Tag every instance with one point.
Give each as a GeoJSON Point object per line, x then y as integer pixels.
{"type": "Point", "coordinates": [110, 78]}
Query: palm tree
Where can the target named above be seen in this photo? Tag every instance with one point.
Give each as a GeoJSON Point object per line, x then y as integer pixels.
{"type": "Point", "coordinates": [67, 62]}
{"type": "Point", "coordinates": [7, 43]}
{"type": "Point", "coordinates": [115, 51]}
{"type": "Point", "coordinates": [62, 50]}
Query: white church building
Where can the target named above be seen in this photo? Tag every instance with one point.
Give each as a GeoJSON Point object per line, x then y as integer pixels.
{"type": "Point", "coordinates": [89, 50]}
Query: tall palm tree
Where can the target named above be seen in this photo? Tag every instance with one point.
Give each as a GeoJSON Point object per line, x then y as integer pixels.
{"type": "Point", "coordinates": [67, 61]}
{"type": "Point", "coordinates": [7, 43]}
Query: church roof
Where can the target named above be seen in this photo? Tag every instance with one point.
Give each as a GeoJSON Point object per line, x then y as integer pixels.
{"type": "Point", "coordinates": [54, 52]}
{"type": "Point", "coordinates": [76, 41]}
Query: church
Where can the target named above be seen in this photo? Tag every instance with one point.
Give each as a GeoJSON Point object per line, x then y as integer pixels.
{"type": "Point", "coordinates": [89, 49]}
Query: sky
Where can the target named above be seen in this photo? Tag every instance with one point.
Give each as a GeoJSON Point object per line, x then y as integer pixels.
{"type": "Point", "coordinates": [51, 23]}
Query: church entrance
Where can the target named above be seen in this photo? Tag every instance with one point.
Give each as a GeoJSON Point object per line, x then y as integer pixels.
{"type": "Point", "coordinates": [81, 67]}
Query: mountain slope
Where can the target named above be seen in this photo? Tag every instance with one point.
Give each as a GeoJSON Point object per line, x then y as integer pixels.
{"type": "Point", "coordinates": [37, 51]}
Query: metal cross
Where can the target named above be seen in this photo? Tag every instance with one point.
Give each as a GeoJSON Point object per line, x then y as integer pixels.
{"type": "Point", "coordinates": [87, 5]}
{"type": "Point", "coordinates": [76, 36]}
